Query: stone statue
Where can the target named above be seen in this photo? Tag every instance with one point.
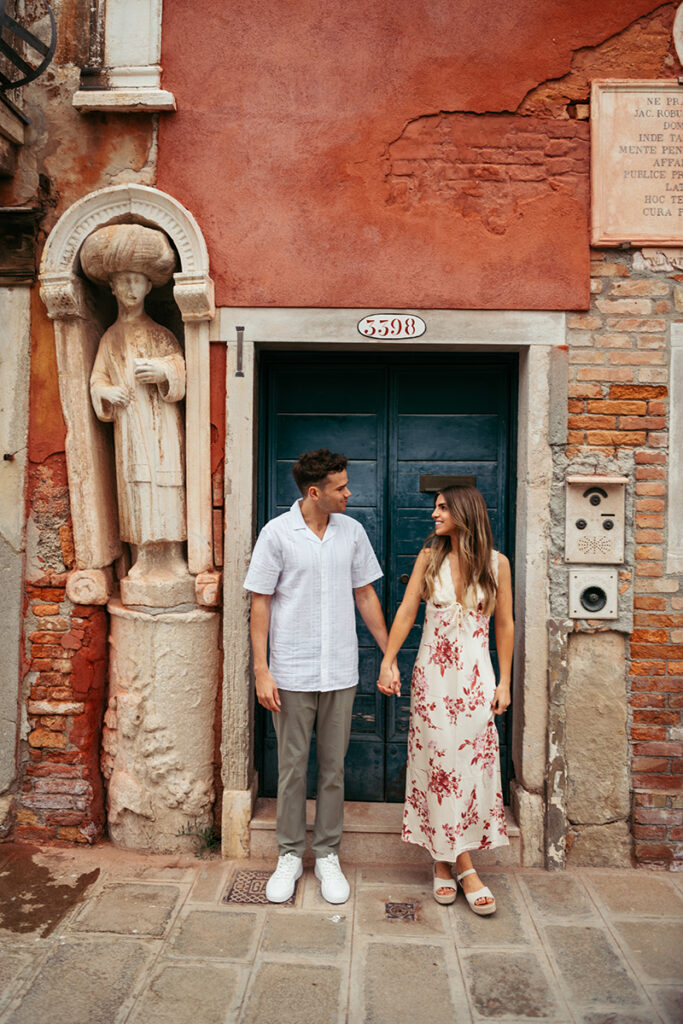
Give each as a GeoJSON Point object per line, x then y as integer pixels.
{"type": "Point", "coordinates": [137, 382]}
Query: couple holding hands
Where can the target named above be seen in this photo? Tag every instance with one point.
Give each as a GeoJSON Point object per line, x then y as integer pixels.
{"type": "Point", "coordinates": [308, 569]}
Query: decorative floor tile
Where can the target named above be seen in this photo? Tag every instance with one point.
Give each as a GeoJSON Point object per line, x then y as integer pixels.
{"type": "Point", "coordinates": [405, 911]}
{"type": "Point", "coordinates": [249, 886]}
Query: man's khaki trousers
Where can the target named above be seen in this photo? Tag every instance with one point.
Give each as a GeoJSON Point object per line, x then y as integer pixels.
{"type": "Point", "coordinates": [330, 713]}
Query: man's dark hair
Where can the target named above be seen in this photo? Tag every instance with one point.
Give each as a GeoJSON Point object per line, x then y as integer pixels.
{"type": "Point", "coordinates": [311, 468]}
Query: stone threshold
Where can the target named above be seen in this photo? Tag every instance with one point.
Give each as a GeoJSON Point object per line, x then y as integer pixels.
{"type": "Point", "coordinates": [367, 818]}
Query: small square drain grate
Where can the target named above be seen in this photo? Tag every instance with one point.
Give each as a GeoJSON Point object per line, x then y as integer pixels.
{"type": "Point", "coordinates": [406, 911]}
{"type": "Point", "coordinates": [249, 886]}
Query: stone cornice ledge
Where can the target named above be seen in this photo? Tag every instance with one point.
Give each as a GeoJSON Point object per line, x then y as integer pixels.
{"type": "Point", "coordinates": [457, 327]}
{"type": "Point", "coordinates": [124, 101]}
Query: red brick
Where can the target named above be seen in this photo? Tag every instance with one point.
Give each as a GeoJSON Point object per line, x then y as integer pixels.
{"type": "Point", "coordinates": [654, 619]}
{"type": "Point", "coordinates": [663, 816]}
{"type": "Point", "coordinates": [647, 668]}
{"type": "Point", "coordinates": [649, 357]}
{"type": "Point", "coordinates": [649, 520]}
{"type": "Point", "coordinates": [640, 651]}
{"type": "Point", "coordinates": [584, 390]}
{"type": "Point", "coordinates": [649, 764]}
{"type": "Point", "coordinates": [631, 324]}
{"type": "Point", "coordinates": [657, 407]}
{"type": "Point", "coordinates": [650, 603]}
{"type": "Point", "coordinates": [648, 700]}
{"type": "Point", "coordinates": [607, 374]}
{"type": "Point", "coordinates": [649, 536]}
{"type": "Point", "coordinates": [658, 684]}
{"type": "Point", "coordinates": [675, 668]}
{"type": "Point", "coordinates": [650, 569]}
{"type": "Point", "coordinates": [650, 473]}
{"type": "Point", "coordinates": [649, 505]}
{"type": "Point", "coordinates": [638, 288]}
{"type": "Point", "coordinates": [676, 700]}
{"type": "Point", "coordinates": [56, 594]}
{"type": "Point", "coordinates": [638, 391]}
{"type": "Point", "coordinates": [629, 438]}
{"type": "Point", "coordinates": [649, 636]}
{"type": "Point", "coordinates": [578, 322]}
{"type": "Point", "coordinates": [45, 609]}
{"type": "Point", "coordinates": [591, 356]}
{"type": "Point", "coordinates": [46, 738]}
{"type": "Point", "coordinates": [651, 458]}
{"type": "Point", "coordinates": [592, 422]}
{"type": "Point", "coordinates": [658, 439]}
{"type": "Point", "coordinates": [649, 831]}
{"type": "Point", "coordinates": [676, 833]}
{"type": "Point", "coordinates": [576, 406]}
{"type": "Point", "coordinates": [657, 782]}
{"type": "Point", "coordinates": [575, 437]}
{"type": "Point", "coordinates": [46, 651]}
{"type": "Point", "coordinates": [642, 422]}
{"type": "Point", "coordinates": [648, 732]}
{"type": "Point", "coordinates": [649, 717]}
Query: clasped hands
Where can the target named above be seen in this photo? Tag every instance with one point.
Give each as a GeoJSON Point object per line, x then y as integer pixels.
{"type": "Point", "coordinates": [389, 682]}
{"type": "Point", "coordinates": [146, 371]}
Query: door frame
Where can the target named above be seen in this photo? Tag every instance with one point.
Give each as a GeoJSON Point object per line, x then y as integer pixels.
{"type": "Point", "coordinates": [539, 338]}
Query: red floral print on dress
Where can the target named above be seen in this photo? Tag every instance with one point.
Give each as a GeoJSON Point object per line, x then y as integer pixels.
{"type": "Point", "coordinates": [420, 692]}
{"type": "Point", "coordinates": [484, 749]}
{"type": "Point", "coordinates": [444, 653]}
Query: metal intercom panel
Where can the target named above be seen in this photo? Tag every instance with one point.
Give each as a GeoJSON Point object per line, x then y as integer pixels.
{"type": "Point", "coordinates": [595, 519]}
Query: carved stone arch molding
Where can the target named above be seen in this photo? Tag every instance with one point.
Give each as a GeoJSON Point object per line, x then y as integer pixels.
{"type": "Point", "coordinates": [77, 332]}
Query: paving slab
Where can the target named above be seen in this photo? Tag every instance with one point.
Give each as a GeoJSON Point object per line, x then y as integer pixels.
{"type": "Point", "coordinates": [591, 969]}
{"type": "Point", "coordinates": [182, 994]}
{"type": "Point", "coordinates": [669, 1002]}
{"type": "Point", "coordinates": [313, 935]}
{"type": "Point", "coordinates": [399, 910]}
{"type": "Point", "coordinates": [510, 985]}
{"type": "Point", "coordinates": [655, 946]}
{"type": "Point", "coordinates": [12, 965]}
{"type": "Point", "coordinates": [556, 896]}
{"type": "Point", "coordinates": [129, 909]}
{"type": "Point", "coordinates": [638, 892]}
{"type": "Point", "coordinates": [390, 874]}
{"type": "Point", "coordinates": [616, 1017]}
{"type": "Point", "coordinates": [293, 992]}
{"type": "Point", "coordinates": [217, 934]}
{"type": "Point", "coordinates": [312, 898]}
{"type": "Point", "coordinates": [83, 981]}
{"type": "Point", "coordinates": [209, 882]}
{"type": "Point", "coordinates": [510, 925]}
{"type": "Point", "coordinates": [402, 980]}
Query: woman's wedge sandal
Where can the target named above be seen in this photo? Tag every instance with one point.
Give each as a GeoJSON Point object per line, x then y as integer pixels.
{"type": "Point", "coordinates": [483, 909]}
{"type": "Point", "coordinates": [444, 883]}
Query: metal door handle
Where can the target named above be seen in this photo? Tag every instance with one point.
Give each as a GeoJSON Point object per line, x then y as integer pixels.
{"type": "Point", "coordinates": [404, 577]}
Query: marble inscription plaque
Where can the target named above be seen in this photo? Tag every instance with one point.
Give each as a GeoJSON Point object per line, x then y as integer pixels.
{"type": "Point", "coordinates": [637, 162]}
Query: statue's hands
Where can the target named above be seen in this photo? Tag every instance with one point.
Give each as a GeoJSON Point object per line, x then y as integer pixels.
{"type": "Point", "coordinates": [150, 371]}
{"type": "Point", "coordinates": [115, 395]}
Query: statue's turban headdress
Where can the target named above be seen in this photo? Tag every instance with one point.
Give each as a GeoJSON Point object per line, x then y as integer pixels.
{"type": "Point", "coordinates": [128, 247]}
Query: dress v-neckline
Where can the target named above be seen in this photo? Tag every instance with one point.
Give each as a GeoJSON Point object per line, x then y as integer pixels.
{"type": "Point", "coordinates": [452, 581]}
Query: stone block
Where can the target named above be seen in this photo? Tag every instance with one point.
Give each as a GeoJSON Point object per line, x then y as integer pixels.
{"type": "Point", "coordinates": [188, 994]}
{"type": "Point", "coordinates": [219, 934]}
{"type": "Point", "coordinates": [428, 919]}
{"type": "Point", "coordinates": [648, 894]}
{"type": "Point", "coordinates": [655, 946]}
{"type": "Point", "coordinates": [292, 992]}
{"type": "Point", "coordinates": [510, 925]}
{"type": "Point", "coordinates": [604, 846]}
{"type": "Point", "coordinates": [596, 724]}
{"type": "Point", "coordinates": [315, 935]}
{"type": "Point", "coordinates": [590, 967]}
{"type": "Point", "coordinates": [90, 586]}
{"type": "Point", "coordinates": [557, 895]}
{"type": "Point", "coordinates": [83, 982]}
{"type": "Point", "coordinates": [510, 986]}
{"type": "Point", "coordinates": [129, 909]}
{"type": "Point", "coordinates": [400, 981]}
{"type": "Point", "coordinates": [529, 813]}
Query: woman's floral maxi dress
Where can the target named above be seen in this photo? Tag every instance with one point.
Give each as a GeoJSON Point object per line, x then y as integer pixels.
{"type": "Point", "coordinates": [454, 800]}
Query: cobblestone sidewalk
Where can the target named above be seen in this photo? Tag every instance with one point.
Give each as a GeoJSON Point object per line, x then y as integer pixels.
{"type": "Point", "coordinates": [97, 936]}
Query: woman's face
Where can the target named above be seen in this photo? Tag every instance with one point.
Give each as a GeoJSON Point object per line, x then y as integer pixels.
{"type": "Point", "coordinates": [443, 520]}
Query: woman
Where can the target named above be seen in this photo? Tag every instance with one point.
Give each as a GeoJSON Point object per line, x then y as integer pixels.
{"type": "Point", "coordinates": [453, 798]}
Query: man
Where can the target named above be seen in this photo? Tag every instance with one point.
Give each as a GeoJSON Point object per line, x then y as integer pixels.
{"type": "Point", "coordinates": [307, 568]}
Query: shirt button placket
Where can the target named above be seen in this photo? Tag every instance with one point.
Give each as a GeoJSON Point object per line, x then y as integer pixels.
{"type": "Point", "coordinates": [324, 619]}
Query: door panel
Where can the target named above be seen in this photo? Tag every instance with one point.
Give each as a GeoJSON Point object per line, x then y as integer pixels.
{"type": "Point", "coordinates": [396, 418]}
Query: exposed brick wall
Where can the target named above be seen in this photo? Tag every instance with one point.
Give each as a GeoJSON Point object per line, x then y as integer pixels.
{"type": "Point", "coordinates": [618, 399]}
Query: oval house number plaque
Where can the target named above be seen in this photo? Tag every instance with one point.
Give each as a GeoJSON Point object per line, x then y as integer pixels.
{"type": "Point", "coordinates": [392, 325]}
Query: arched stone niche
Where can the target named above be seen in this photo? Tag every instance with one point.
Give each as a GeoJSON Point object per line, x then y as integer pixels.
{"type": "Point", "coordinates": [78, 328]}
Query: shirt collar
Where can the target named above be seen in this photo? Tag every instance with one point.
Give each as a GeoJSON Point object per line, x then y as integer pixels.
{"type": "Point", "coordinates": [299, 523]}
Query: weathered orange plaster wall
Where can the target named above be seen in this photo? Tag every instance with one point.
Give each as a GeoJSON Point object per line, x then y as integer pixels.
{"type": "Point", "coordinates": [288, 115]}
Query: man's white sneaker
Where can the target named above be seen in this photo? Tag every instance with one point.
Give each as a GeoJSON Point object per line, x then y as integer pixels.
{"type": "Point", "coordinates": [333, 884]}
{"type": "Point", "coordinates": [280, 885]}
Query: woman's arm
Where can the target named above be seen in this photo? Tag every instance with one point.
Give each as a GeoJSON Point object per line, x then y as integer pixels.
{"type": "Point", "coordinates": [402, 624]}
{"type": "Point", "coordinates": [505, 635]}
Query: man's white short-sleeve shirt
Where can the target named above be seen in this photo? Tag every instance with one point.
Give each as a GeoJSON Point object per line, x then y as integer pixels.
{"type": "Point", "coordinates": [313, 642]}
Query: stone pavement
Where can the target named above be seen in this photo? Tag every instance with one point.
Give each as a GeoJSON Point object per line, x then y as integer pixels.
{"type": "Point", "coordinates": [99, 936]}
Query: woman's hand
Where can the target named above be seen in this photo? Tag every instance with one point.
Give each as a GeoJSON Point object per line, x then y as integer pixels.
{"type": "Point", "coordinates": [389, 681]}
{"type": "Point", "coordinates": [501, 698]}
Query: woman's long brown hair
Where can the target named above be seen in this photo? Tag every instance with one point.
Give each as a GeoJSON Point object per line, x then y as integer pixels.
{"type": "Point", "coordinates": [474, 543]}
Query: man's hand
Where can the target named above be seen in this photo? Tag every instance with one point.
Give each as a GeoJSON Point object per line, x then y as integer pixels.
{"type": "Point", "coordinates": [150, 371]}
{"type": "Point", "coordinates": [266, 691]}
{"type": "Point", "coordinates": [389, 682]}
{"type": "Point", "coordinates": [115, 395]}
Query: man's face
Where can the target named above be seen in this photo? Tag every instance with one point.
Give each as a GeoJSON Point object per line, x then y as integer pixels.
{"type": "Point", "coordinates": [333, 496]}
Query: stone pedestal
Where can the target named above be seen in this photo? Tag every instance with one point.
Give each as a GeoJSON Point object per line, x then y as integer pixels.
{"type": "Point", "coordinates": [158, 737]}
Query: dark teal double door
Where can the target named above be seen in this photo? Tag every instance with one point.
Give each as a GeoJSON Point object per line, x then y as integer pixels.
{"type": "Point", "coordinates": [399, 420]}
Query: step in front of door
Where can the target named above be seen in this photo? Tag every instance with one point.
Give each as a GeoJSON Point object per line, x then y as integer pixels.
{"type": "Point", "coordinates": [372, 834]}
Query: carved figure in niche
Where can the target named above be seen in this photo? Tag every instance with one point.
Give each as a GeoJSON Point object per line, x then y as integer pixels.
{"type": "Point", "coordinates": [137, 382]}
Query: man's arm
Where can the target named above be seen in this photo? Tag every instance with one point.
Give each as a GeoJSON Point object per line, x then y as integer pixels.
{"type": "Point", "coordinates": [259, 623]}
{"type": "Point", "coordinates": [372, 615]}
